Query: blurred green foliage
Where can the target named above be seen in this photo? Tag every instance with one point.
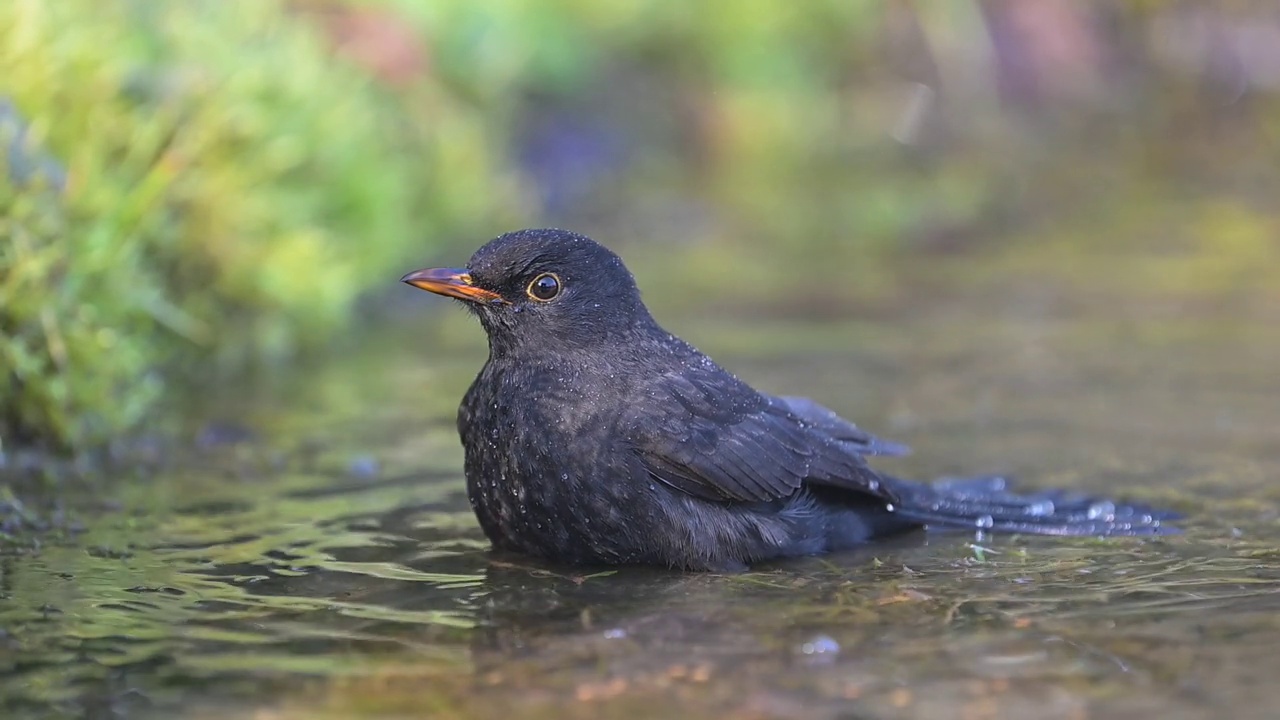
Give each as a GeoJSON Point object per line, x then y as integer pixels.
{"type": "Point", "coordinates": [773, 117]}
{"type": "Point", "coordinates": [834, 138]}
{"type": "Point", "coordinates": [196, 184]}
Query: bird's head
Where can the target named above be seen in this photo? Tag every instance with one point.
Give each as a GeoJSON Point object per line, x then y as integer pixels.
{"type": "Point", "coordinates": [544, 289]}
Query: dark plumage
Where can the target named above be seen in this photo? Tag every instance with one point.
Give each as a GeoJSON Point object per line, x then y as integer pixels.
{"type": "Point", "coordinates": [594, 436]}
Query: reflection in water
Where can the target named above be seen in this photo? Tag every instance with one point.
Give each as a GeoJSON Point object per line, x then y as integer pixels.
{"type": "Point", "coordinates": [334, 569]}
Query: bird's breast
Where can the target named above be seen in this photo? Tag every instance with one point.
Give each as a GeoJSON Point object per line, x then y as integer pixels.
{"type": "Point", "coordinates": [537, 457]}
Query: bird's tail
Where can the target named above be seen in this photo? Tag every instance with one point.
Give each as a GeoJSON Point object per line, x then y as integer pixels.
{"type": "Point", "coordinates": [985, 503]}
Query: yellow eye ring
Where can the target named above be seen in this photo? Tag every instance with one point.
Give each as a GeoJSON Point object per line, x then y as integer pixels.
{"type": "Point", "coordinates": [544, 288]}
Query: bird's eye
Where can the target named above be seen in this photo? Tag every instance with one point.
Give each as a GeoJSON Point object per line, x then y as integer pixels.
{"type": "Point", "coordinates": [545, 287]}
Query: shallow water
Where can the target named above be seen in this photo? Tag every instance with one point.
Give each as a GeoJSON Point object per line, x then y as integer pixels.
{"type": "Point", "coordinates": [328, 566]}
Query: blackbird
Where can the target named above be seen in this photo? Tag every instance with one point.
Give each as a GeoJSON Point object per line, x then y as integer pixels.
{"type": "Point", "coordinates": [593, 436]}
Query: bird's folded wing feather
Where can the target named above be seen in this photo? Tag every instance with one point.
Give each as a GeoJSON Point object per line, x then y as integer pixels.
{"type": "Point", "coordinates": [712, 436]}
{"type": "Point", "coordinates": [837, 427]}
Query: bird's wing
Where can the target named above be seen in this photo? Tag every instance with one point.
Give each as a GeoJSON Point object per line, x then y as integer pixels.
{"type": "Point", "coordinates": [839, 428]}
{"type": "Point", "coordinates": [710, 435]}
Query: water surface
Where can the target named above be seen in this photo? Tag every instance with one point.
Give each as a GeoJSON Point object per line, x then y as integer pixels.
{"type": "Point", "coordinates": [327, 564]}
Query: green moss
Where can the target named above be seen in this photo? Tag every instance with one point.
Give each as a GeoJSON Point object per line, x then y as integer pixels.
{"type": "Point", "coordinates": [196, 181]}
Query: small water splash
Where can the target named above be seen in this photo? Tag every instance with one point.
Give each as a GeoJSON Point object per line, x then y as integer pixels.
{"type": "Point", "coordinates": [1102, 510]}
{"type": "Point", "coordinates": [1041, 508]}
{"type": "Point", "coordinates": [820, 645]}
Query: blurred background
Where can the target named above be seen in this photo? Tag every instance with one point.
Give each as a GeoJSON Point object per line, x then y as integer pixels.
{"type": "Point", "coordinates": [197, 188]}
{"type": "Point", "coordinates": [1035, 237]}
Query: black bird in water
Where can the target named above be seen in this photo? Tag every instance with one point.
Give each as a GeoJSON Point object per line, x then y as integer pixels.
{"type": "Point", "coordinates": [594, 436]}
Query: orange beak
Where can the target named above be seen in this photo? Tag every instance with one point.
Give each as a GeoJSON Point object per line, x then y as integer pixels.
{"type": "Point", "coordinates": [453, 282]}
